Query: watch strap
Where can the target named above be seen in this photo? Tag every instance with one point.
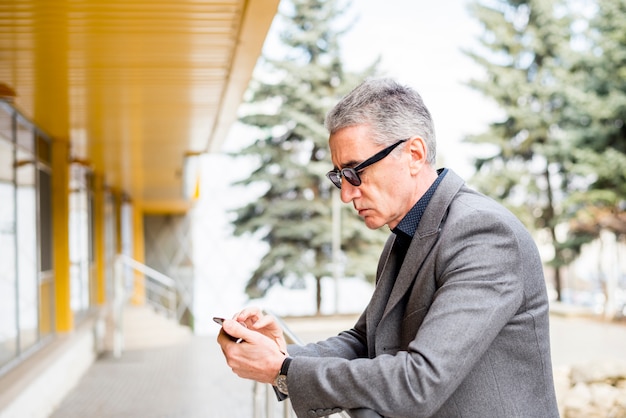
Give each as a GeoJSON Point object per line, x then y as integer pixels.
{"type": "Point", "coordinates": [285, 367]}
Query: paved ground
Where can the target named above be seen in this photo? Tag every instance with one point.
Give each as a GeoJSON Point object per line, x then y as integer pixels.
{"type": "Point", "coordinates": [581, 340]}
{"type": "Point", "coordinates": [190, 379]}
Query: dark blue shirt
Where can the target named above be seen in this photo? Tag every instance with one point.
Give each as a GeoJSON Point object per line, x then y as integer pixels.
{"type": "Point", "coordinates": [408, 224]}
{"type": "Point", "coordinates": [407, 227]}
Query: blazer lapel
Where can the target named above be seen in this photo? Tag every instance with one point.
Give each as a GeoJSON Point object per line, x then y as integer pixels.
{"type": "Point", "coordinates": [384, 284]}
{"type": "Point", "coordinates": [415, 256]}
{"type": "Point", "coordinates": [425, 238]}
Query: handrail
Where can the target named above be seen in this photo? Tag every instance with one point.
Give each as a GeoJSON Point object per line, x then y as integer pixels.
{"type": "Point", "coordinates": [156, 275]}
{"type": "Point", "coordinates": [162, 292]}
{"type": "Point", "coordinates": [257, 395]}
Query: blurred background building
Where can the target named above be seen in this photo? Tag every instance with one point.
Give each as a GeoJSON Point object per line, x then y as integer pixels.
{"type": "Point", "coordinates": [105, 107]}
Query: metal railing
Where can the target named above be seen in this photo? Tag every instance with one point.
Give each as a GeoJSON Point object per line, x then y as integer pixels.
{"type": "Point", "coordinates": [163, 293]}
{"type": "Point", "coordinates": [264, 398]}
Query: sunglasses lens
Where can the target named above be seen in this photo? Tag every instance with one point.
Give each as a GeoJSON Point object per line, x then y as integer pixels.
{"type": "Point", "coordinates": [335, 177]}
{"type": "Point", "coordinates": [351, 175]}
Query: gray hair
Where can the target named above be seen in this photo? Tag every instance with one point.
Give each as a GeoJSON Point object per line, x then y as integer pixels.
{"type": "Point", "coordinates": [392, 111]}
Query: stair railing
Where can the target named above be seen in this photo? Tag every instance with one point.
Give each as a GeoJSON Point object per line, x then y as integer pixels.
{"type": "Point", "coordinates": [162, 293]}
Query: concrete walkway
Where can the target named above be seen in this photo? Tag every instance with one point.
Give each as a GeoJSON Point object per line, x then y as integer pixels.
{"type": "Point", "coordinates": [583, 340]}
{"type": "Point", "coordinates": [189, 377]}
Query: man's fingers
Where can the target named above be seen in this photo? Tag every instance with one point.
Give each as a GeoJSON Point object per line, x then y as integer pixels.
{"type": "Point", "coordinates": [238, 330]}
{"type": "Point", "coordinates": [248, 316]}
{"type": "Point", "coordinates": [253, 313]}
{"type": "Point", "coordinates": [264, 321]}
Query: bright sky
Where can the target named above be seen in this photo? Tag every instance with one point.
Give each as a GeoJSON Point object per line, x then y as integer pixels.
{"type": "Point", "coordinates": [420, 44]}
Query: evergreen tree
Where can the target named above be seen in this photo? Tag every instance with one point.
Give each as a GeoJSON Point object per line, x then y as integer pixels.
{"type": "Point", "coordinates": [598, 125]}
{"type": "Point", "coordinates": [287, 103]}
{"type": "Point", "coordinates": [526, 57]}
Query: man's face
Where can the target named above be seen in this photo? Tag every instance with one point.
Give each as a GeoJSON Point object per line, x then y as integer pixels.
{"type": "Point", "coordinates": [386, 193]}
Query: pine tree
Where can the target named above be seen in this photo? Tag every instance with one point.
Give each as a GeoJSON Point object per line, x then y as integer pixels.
{"type": "Point", "coordinates": [598, 125]}
{"type": "Point", "coordinates": [526, 58]}
{"type": "Point", "coordinates": [287, 103]}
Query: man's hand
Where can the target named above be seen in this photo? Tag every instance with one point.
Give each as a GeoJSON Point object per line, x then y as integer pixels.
{"type": "Point", "coordinates": [257, 357]}
{"type": "Point", "coordinates": [254, 319]}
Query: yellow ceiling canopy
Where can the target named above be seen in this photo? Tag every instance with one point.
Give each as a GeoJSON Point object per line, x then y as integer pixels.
{"type": "Point", "coordinates": [133, 85]}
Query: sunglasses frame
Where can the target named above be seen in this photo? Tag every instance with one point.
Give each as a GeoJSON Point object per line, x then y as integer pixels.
{"type": "Point", "coordinates": [353, 172]}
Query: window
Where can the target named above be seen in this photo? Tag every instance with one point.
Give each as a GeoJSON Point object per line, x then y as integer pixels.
{"type": "Point", "coordinates": [8, 288]}
{"type": "Point", "coordinates": [80, 239]}
{"type": "Point", "coordinates": [26, 240]}
{"type": "Point", "coordinates": [26, 285]}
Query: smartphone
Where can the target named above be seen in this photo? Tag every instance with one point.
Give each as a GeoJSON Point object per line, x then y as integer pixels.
{"type": "Point", "coordinates": [221, 322]}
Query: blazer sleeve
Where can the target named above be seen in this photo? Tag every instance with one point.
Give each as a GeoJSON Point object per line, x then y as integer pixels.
{"type": "Point", "coordinates": [479, 266]}
{"type": "Point", "coordinates": [349, 344]}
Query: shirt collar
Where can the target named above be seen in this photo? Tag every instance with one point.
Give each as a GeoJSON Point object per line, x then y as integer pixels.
{"type": "Point", "coordinates": [408, 224]}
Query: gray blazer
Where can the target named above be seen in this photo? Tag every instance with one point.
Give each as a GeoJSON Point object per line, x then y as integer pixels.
{"type": "Point", "coordinates": [461, 332]}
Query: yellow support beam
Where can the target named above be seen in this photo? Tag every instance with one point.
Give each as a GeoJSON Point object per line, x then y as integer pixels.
{"type": "Point", "coordinates": [51, 113]}
{"type": "Point", "coordinates": [99, 238]}
{"type": "Point", "coordinates": [60, 227]}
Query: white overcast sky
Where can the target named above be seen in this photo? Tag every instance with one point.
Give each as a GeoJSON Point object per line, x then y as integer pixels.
{"type": "Point", "coordinates": [420, 45]}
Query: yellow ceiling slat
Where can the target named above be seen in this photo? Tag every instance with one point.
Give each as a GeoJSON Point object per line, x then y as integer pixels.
{"type": "Point", "coordinates": [147, 81]}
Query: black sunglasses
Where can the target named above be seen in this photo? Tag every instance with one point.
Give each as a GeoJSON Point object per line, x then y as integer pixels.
{"type": "Point", "coordinates": [352, 173]}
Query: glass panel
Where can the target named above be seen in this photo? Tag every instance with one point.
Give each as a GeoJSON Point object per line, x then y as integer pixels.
{"type": "Point", "coordinates": [45, 220]}
{"type": "Point", "coordinates": [27, 250]}
{"type": "Point", "coordinates": [6, 125]}
{"type": "Point", "coordinates": [25, 138]}
{"type": "Point", "coordinates": [79, 240]}
{"type": "Point", "coordinates": [6, 153]}
{"type": "Point", "coordinates": [8, 313]}
{"type": "Point", "coordinates": [110, 242]}
{"type": "Point", "coordinates": [126, 219]}
{"type": "Point", "coordinates": [77, 253]}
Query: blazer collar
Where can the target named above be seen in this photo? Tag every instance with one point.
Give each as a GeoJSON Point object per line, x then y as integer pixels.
{"type": "Point", "coordinates": [424, 239]}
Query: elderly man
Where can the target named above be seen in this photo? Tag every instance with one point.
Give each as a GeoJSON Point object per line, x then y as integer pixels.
{"type": "Point", "coordinates": [458, 323]}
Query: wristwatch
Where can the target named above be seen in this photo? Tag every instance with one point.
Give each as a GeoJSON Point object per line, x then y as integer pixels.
{"type": "Point", "coordinates": [281, 380]}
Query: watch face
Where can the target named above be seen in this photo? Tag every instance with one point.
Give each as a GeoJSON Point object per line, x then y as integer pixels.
{"type": "Point", "coordinates": [281, 384]}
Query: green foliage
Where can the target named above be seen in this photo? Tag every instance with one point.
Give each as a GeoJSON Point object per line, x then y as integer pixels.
{"type": "Point", "coordinates": [558, 157]}
{"type": "Point", "coordinates": [287, 102]}
{"type": "Point", "coordinates": [526, 56]}
{"type": "Point", "coordinates": [598, 129]}
{"type": "Point", "coordinates": [526, 52]}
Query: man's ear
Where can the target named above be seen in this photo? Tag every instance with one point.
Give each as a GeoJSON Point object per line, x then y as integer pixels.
{"type": "Point", "coordinates": [418, 152]}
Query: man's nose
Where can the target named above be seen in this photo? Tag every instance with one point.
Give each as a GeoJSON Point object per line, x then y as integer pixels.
{"type": "Point", "coordinates": [348, 191]}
